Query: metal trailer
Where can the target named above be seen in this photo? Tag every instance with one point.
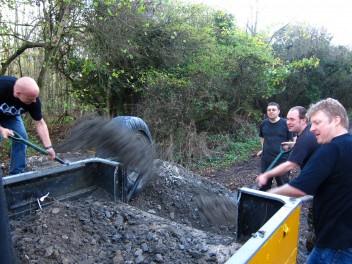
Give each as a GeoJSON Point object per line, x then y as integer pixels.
{"type": "Point", "coordinates": [268, 225]}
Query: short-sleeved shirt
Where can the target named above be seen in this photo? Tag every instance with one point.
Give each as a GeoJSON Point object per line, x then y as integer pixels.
{"type": "Point", "coordinates": [304, 147]}
{"type": "Point", "coordinates": [328, 176]}
{"type": "Point", "coordinates": [11, 106]}
{"type": "Point", "coordinates": [273, 134]}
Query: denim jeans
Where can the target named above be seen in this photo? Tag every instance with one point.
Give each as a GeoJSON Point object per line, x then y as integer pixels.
{"type": "Point", "coordinates": [18, 150]}
{"type": "Point", "coordinates": [330, 256]}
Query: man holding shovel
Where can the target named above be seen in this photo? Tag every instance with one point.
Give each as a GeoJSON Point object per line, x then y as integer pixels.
{"type": "Point", "coordinates": [328, 177]}
{"type": "Point", "coordinates": [272, 132]}
{"type": "Point", "coordinates": [18, 96]}
{"type": "Point", "coordinates": [304, 147]}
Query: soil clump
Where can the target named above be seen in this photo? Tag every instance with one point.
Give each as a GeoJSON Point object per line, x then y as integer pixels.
{"type": "Point", "coordinates": [163, 224]}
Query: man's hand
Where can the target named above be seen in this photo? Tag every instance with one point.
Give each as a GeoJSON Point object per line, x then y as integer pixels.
{"type": "Point", "coordinates": [51, 153]}
{"type": "Point", "coordinates": [261, 179]}
{"type": "Point", "coordinates": [259, 153]}
{"type": "Point", "coordinates": [5, 133]}
{"type": "Point", "coordinates": [288, 145]}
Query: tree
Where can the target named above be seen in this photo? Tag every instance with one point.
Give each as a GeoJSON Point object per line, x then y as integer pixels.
{"type": "Point", "coordinates": [47, 24]}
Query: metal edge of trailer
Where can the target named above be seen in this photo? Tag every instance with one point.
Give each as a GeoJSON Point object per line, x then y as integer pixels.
{"type": "Point", "coordinates": [6, 180]}
{"type": "Point", "coordinates": [26, 191]}
{"type": "Point", "coordinates": [282, 226]}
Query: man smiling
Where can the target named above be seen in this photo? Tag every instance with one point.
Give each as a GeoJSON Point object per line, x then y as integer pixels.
{"type": "Point", "coordinates": [272, 132]}
{"type": "Point", "coordinates": [328, 176]}
{"type": "Point", "coordinates": [304, 147]}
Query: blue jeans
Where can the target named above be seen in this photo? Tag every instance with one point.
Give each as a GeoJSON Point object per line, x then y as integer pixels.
{"type": "Point", "coordinates": [330, 256]}
{"type": "Point", "coordinates": [18, 150]}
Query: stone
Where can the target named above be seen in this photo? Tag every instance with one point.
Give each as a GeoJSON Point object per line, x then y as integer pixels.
{"type": "Point", "coordinates": [55, 210]}
{"type": "Point", "coordinates": [118, 258]}
{"type": "Point", "coordinates": [159, 258]}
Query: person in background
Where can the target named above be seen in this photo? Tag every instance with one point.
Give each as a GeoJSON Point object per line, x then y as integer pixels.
{"type": "Point", "coordinates": [18, 96]}
{"type": "Point", "coordinates": [328, 177]}
{"type": "Point", "coordinates": [272, 132]}
{"type": "Point", "coordinates": [304, 147]}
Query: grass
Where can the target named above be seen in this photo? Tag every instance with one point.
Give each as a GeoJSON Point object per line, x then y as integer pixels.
{"type": "Point", "coordinates": [228, 152]}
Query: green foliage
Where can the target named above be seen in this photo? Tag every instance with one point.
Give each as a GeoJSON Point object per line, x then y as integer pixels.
{"type": "Point", "coordinates": [317, 69]}
{"type": "Point", "coordinates": [186, 69]}
{"type": "Point", "coordinates": [280, 73]}
{"type": "Point", "coordinates": [236, 151]}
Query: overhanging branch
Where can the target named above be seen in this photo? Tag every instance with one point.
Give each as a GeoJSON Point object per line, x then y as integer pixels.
{"type": "Point", "coordinates": [18, 52]}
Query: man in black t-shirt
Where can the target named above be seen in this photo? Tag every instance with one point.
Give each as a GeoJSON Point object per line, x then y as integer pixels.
{"type": "Point", "coordinates": [328, 177]}
{"type": "Point", "coordinates": [304, 147]}
{"type": "Point", "coordinates": [18, 96]}
{"type": "Point", "coordinates": [272, 132]}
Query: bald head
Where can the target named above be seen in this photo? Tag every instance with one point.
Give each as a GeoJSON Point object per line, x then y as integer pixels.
{"type": "Point", "coordinates": [26, 89]}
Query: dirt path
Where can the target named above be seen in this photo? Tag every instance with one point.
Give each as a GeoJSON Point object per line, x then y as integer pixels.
{"type": "Point", "coordinates": [236, 176]}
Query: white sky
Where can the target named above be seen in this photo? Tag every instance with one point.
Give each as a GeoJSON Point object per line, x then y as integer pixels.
{"type": "Point", "coordinates": [333, 15]}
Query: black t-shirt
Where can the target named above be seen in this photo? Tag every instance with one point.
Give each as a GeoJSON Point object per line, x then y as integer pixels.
{"type": "Point", "coordinates": [274, 134]}
{"type": "Point", "coordinates": [328, 176]}
{"type": "Point", "coordinates": [305, 146]}
{"type": "Point", "coordinates": [12, 106]}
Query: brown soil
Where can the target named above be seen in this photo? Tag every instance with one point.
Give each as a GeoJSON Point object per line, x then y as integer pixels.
{"type": "Point", "coordinates": [161, 225]}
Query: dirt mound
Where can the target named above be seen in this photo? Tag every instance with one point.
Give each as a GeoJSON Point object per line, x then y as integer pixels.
{"type": "Point", "coordinates": [161, 225]}
{"type": "Point", "coordinates": [175, 195]}
{"type": "Point", "coordinates": [96, 230]}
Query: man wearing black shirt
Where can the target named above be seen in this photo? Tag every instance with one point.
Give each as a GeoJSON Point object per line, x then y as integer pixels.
{"type": "Point", "coordinates": [18, 96]}
{"type": "Point", "coordinates": [328, 177]}
{"type": "Point", "coordinates": [304, 147]}
{"type": "Point", "coordinates": [272, 132]}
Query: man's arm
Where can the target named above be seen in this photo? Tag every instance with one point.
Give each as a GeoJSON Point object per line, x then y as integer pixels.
{"type": "Point", "coordinates": [287, 190]}
{"type": "Point", "coordinates": [43, 132]}
{"type": "Point", "coordinates": [279, 170]}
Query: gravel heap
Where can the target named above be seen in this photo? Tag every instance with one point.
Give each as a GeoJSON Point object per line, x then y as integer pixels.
{"type": "Point", "coordinates": [162, 225]}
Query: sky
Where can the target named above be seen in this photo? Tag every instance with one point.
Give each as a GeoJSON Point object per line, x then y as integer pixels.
{"type": "Point", "coordinates": [333, 15]}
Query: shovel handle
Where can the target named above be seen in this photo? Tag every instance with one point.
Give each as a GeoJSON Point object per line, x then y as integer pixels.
{"type": "Point", "coordinates": [282, 152]}
{"type": "Point", "coordinates": [18, 138]}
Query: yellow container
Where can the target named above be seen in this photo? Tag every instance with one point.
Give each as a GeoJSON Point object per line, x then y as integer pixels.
{"type": "Point", "coordinates": [268, 225]}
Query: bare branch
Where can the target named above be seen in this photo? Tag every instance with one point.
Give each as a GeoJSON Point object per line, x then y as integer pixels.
{"type": "Point", "coordinates": [277, 32]}
{"type": "Point", "coordinates": [14, 36]}
{"type": "Point", "coordinates": [18, 52]}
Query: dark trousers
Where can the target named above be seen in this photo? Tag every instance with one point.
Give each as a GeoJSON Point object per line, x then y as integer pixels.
{"type": "Point", "coordinates": [6, 250]}
{"type": "Point", "coordinates": [280, 180]}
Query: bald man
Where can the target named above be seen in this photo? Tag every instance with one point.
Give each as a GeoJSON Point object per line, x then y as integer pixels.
{"type": "Point", "coordinates": [18, 96]}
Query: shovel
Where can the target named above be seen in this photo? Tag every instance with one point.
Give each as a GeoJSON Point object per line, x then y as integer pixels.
{"type": "Point", "coordinates": [18, 138]}
{"type": "Point", "coordinates": [272, 164]}
{"type": "Point", "coordinates": [282, 152]}
{"type": "Point", "coordinates": [222, 210]}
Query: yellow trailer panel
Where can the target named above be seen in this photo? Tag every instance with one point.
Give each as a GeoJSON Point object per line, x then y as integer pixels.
{"type": "Point", "coordinates": [276, 241]}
